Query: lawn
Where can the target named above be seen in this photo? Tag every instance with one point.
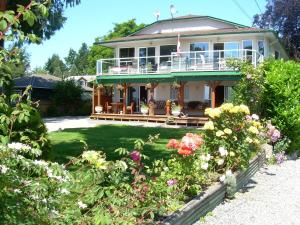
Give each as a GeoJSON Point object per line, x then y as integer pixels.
{"type": "Point", "coordinates": [107, 138]}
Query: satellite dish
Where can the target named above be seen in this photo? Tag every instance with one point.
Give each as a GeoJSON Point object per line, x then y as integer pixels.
{"type": "Point", "coordinates": [173, 10]}
{"type": "Point", "coordinates": [157, 15]}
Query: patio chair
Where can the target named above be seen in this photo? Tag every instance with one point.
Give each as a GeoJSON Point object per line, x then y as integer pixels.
{"type": "Point", "coordinates": [130, 108]}
{"type": "Point", "coordinates": [108, 107]}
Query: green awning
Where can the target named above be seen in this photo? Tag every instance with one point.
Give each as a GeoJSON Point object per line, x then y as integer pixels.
{"type": "Point", "coordinates": [140, 78]}
{"type": "Point", "coordinates": [207, 75]}
{"type": "Point", "coordinates": [170, 77]}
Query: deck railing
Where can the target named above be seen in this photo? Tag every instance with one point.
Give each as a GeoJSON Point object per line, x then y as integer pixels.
{"type": "Point", "coordinates": [176, 62]}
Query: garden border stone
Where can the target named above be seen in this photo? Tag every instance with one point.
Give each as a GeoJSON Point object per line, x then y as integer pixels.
{"type": "Point", "coordinates": [214, 195]}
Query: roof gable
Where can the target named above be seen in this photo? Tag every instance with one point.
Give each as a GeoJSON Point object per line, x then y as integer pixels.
{"type": "Point", "coordinates": [187, 23]}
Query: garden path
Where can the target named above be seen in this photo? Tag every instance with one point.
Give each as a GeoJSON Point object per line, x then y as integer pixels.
{"type": "Point", "coordinates": [61, 123]}
{"type": "Point", "coordinates": [272, 197]}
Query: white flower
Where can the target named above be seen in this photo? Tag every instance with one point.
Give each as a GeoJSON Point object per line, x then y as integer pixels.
{"type": "Point", "coordinates": [18, 146]}
{"type": "Point", "coordinates": [17, 191]}
{"type": "Point", "coordinates": [81, 205]}
{"type": "Point", "coordinates": [166, 168]}
{"type": "Point", "coordinates": [44, 201]}
{"type": "Point", "coordinates": [204, 166]}
{"type": "Point", "coordinates": [228, 173]}
{"type": "Point", "coordinates": [64, 191]}
{"type": "Point", "coordinates": [223, 151]}
{"type": "Point", "coordinates": [222, 178]}
{"type": "Point", "coordinates": [205, 157]}
{"type": "Point", "coordinates": [255, 117]}
{"type": "Point", "coordinates": [55, 212]}
{"type": "Point", "coordinates": [34, 197]}
{"type": "Point", "coordinates": [220, 162]}
{"type": "Point", "coordinates": [40, 163]}
{"type": "Point", "coordinates": [3, 169]}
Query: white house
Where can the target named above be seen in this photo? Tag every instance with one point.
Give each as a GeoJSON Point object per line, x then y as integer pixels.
{"type": "Point", "coordinates": [183, 60]}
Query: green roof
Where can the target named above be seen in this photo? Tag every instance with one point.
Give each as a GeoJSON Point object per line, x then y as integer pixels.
{"type": "Point", "coordinates": [170, 77]}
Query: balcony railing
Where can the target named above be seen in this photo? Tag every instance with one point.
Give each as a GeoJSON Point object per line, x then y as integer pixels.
{"type": "Point", "coordinates": [176, 62]}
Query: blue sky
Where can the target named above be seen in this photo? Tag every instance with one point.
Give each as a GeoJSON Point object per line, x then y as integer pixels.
{"type": "Point", "coordinates": [93, 18]}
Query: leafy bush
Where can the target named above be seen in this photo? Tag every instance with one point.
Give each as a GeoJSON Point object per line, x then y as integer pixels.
{"type": "Point", "coordinates": [21, 122]}
{"type": "Point", "coordinates": [273, 91]}
{"type": "Point", "coordinates": [281, 98]}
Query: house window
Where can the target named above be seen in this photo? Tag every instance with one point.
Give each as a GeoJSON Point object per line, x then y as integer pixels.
{"type": "Point", "coordinates": [207, 93]}
{"type": "Point", "coordinates": [147, 56]}
{"type": "Point", "coordinates": [277, 54]}
{"type": "Point", "coordinates": [199, 46]}
{"type": "Point", "coordinates": [228, 93]}
{"type": "Point", "coordinates": [120, 95]}
{"type": "Point", "coordinates": [166, 50]}
{"type": "Point", "coordinates": [247, 45]}
{"type": "Point", "coordinates": [231, 49]}
{"type": "Point", "coordinates": [126, 53]}
{"type": "Point", "coordinates": [173, 94]}
{"type": "Point", "coordinates": [261, 47]}
{"type": "Point", "coordinates": [186, 92]}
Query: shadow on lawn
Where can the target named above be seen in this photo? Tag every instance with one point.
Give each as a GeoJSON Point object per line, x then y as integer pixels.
{"type": "Point", "coordinates": [107, 138]}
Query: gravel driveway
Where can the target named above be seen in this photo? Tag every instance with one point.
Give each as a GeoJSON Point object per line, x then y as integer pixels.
{"type": "Point", "coordinates": [271, 198]}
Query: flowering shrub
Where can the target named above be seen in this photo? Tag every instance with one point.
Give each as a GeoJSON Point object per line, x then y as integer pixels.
{"type": "Point", "coordinates": [232, 136]}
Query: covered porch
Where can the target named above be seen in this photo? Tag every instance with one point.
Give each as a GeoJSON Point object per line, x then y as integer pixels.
{"type": "Point", "coordinates": [121, 97]}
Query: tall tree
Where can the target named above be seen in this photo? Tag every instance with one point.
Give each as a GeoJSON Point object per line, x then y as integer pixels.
{"type": "Point", "coordinates": [71, 61]}
{"type": "Point", "coordinates": [284, 17]}
{"type": "Point", "coordinates": [55, 66]}
{"type": "Point", "coordinates": [120, 30]}
{"type": "Point", "coordinates": [81, 61]}
{"type": "Point", "coordinates": [21, 66]}
{"type": "Point", "coordinates": [39, 71]}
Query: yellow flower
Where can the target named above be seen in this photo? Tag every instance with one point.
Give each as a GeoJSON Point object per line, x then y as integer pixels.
{"type": "Point", "coordinates": [227, 131]}
{"type": "Point", "coordinates": [253, 130]}
{"type": "Point", "coordinates": [209, 126]}
{"type": "Point", "coordinates": [101, 164]}
{"type": "Point", "coordinates": [257, 124]}
{"type": "Point", "coordinates": [219, 133]}
{"type": "Point", "coordinates": [244, 109]}
{"type": "Point", "coordinates": [226, 106]}
{"type": "Point", "coordinates": [256, 141]}
{"type": "Point", "coordinates": [235, 109]}
{"type": "Point", "coordinates": [232, 154]}
{"type": "Point", "coordinates": [213, 113]}
{"type": "Point", "coordinates": [249, 140]}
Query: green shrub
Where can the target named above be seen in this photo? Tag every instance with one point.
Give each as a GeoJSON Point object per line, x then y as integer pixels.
{"type": "Point", "coordinates": [281, 98]}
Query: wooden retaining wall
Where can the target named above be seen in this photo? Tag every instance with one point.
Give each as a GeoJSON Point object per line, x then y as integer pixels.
{"type": "Point", "coordinates": [207, 201]}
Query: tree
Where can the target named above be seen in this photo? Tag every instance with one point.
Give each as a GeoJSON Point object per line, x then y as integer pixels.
{"type": "Point", "coordinates": [71, 60]}
{"type": "Point", "coordinates": [81, 60]}
{"type": "Point", "coordinates": [100, 52]}
{"type": "Point", "coordinates": [39, 71]}
{"type": "Point", "coordinates": [55, 66]}
{"type": "Point", "coordinates": [284, 17]}
{"type": "Point", "coordinates": [43, 27]}
{"type": "Point", "coordinates": [22, 64]}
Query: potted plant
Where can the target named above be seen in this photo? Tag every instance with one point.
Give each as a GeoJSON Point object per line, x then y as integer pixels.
{"type": "Point", "coordinates": [176, 110]}
{"type": "Point", "coordinates": [144, 108]}
{"type": "Point", "coordinates": [98, 109]}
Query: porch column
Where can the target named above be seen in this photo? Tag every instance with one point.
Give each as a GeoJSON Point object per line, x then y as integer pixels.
{"type": "Point", "coordinates": [124, 97]}
{"type": "Point", "coordinates": [93, 100]}
{"type": "Point", "coordinates": [151, 100]}
{"type": "Point", "coordinates": [99, 96]}
{"type": "Point", "coordinates": [213, 85]}
{"type": "Point", "coordinates": [181, 95]}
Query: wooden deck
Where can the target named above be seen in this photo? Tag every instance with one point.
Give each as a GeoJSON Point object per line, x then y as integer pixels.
{"type": "Point", "coordinates": [188, 121]}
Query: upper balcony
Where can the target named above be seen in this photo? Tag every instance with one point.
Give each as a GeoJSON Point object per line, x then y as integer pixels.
{"type": "Point", "coordinates": [176, 62]}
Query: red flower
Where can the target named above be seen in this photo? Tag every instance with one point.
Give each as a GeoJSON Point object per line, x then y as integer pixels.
{"type": "Point", "coordinates": [173, 144]}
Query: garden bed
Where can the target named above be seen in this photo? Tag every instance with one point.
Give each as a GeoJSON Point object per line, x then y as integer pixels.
{"type": "Point", "coordinates": [213, 196]}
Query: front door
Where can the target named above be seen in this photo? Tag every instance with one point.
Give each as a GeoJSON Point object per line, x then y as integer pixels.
{"type": "Point", "coordinates": [219, 95]}
{"type": "Point", "coordinates": [143, 95]}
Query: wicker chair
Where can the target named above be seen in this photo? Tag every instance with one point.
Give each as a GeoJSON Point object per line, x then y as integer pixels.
{"type": "Point", "coordinates": [130, 108]}
{"type": "Point", "coordinates": [108, 107]}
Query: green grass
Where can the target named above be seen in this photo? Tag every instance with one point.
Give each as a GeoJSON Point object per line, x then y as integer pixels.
{"type": "Point", "coordinates": [107, 138]}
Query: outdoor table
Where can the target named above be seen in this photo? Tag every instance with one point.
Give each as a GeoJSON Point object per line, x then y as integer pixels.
{"type": "Point", "coordinates": [116, 106]}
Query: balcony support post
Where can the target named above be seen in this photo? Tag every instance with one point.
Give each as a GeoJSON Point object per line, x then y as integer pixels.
{"type": "Point", "coordinates": [181, 95]}
{"type": "Point", "coordinates": [125, 86]}
{"type": "Point", "coordinates": [151, 102]}
{"type": "Point", "coordinates": [93, 100]}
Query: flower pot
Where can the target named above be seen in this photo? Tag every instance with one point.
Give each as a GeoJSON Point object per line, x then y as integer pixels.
{"type": "Point", "coordinates": [144, 111]}
{"type": "Point", "coordinates": [98, 109]}
{"type": "Point", "coordinates": [176, 113]}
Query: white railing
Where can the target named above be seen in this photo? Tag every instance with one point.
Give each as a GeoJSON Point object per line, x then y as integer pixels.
{"type": "Point", "coordinates": [176, 62]}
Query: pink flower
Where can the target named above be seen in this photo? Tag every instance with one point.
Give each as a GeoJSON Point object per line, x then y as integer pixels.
{"type": "Point", "coordinates": [173, 144]}
{"type": "Point", "coordinates": [188, 145]}
{"type": "Point", "coordinates": [135, 156]}
{"type": "Point", "coordinates": [275, 136]}
{"type": "Point", "coordinates": [248, 117]}
{"type": "Point", "coordinates": [171, 182]}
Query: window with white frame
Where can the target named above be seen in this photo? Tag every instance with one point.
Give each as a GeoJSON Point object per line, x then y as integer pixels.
{"type": "Point", "coordinates": [173, 93]}
{"type": "Point", "coordinates": [261, 47]}
{"type": "Point", "coordinates": [186, 92]}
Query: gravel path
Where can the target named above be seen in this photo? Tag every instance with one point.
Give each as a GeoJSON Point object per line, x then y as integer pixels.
{"type": "Point", "coordinates": [57, 123]}
{"type": "Point", "coordinates": [271, 198]}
